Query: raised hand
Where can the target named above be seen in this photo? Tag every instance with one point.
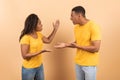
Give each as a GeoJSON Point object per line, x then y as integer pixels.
{"type": "Point", "coordinates": [56, 24]}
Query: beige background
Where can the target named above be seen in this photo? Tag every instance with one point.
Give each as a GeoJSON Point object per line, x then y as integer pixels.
{"type": "Point", "coordinates": [59, 64]}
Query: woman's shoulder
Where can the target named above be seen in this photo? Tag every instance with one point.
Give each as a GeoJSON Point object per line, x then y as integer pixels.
{"type": "Point", "coordinates": [26, 37]}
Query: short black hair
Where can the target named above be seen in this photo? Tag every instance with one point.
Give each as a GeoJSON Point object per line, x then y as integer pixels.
{"type": "Point", "coordinates": [79, 9]}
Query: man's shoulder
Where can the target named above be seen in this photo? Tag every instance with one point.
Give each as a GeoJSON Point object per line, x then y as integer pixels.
{"type": "Point", "coordinates": [93, 24]}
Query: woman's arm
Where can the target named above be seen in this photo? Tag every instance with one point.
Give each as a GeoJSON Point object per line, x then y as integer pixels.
{"type": "Point", "coordinates": [25, 52]}
{"type": "Point", "coordinates": [51, 36]}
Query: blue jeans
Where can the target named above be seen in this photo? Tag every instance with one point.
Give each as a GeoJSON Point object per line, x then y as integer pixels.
{"type": "Point", "coordinates": [33, 73]}
{"type": "Point", "coordinates": [85, 72]}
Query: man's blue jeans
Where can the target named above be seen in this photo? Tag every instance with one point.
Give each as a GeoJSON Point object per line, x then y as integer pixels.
{"type": "Point", "coordinates": [33, 73]}
{"type": "Point", "coordinates": [85, 72]}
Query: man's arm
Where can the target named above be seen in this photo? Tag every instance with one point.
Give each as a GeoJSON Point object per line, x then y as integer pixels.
{"type": "Point", "coordinates": [94, 46]}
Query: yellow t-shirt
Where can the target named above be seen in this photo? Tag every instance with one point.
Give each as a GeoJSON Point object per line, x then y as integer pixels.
{"type": "Point", "coordinates": [83, 36]}
{"type": "Point", "coordinates": [35, 46]}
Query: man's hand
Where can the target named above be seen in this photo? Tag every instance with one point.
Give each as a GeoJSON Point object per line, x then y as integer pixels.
{"type": "Point", "coordinates": [63, 45]}
{"type": "Point", "coordinates": [60, 45]}
{"type": "Point", "coordinates": [74, 45]}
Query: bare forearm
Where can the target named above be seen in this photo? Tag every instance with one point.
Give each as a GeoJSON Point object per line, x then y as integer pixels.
{"type": "Point", "coordinates": [51, 36]}
{"type": "Point", "coordinates": [91, 49]}
{"type": "Point", "coordinates": [30, 55]}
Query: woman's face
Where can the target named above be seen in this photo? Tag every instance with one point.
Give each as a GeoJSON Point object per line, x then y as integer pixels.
{"type": "Point", "coordinates": [39, 26]}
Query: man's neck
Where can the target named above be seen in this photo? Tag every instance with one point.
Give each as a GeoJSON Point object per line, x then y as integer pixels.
{"type": "Point", "coordinates": [84, 21]}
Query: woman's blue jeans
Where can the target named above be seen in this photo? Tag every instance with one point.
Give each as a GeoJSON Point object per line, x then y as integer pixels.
{"type": "Point", "coordinates": [33, 73]}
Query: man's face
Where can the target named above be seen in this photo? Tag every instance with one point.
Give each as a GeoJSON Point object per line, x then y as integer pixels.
{"type": "Point", "coordinates": [75, 17]}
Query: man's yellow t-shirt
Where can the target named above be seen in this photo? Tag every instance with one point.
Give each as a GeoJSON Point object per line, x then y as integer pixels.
{"type": "Point", "coordinates": [35, 46]}
{"type": "Point", "coordinates": [83, 36]}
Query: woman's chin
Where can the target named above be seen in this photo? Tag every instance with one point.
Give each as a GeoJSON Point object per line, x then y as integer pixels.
{"type": "Point", "coordinates": [39, 30]}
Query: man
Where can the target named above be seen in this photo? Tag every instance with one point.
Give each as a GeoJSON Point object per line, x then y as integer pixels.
{"type": "Point", "coordinates": [87, 42]}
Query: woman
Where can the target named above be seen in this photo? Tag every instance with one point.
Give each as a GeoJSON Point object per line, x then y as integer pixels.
{"type": "Point", "coordinates": [31, 43]}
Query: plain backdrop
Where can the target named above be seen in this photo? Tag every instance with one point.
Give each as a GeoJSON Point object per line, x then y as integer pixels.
{"type": "Point", "coordinates": [59, 64]}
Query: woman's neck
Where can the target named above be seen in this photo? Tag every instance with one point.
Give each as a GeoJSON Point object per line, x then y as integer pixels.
{"type": "Point", "coordinates": [34, 34]}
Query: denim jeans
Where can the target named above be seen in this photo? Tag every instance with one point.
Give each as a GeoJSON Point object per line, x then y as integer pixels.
{"type": "Point", "coordinates": [33, 73]}
{"type": "Point", "coordinates": [85, 72]}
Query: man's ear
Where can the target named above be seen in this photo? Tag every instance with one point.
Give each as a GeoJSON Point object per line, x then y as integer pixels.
{"type": "Point", "coordinates": [80, 15]}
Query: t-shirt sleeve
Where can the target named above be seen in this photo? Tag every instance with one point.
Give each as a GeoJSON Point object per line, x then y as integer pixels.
{"type": "Point", "coordinates": [95, 32]}
{"type": "Point", "coordinates": [25, 40]}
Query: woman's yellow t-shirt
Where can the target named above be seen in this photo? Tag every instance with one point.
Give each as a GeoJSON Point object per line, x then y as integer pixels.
{"type": "Point", "coordinates": [35, 46]}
